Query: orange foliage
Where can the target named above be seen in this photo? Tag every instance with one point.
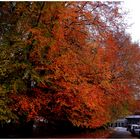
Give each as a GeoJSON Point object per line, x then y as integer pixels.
{"type": "Point", "coordinates": [84, 77]}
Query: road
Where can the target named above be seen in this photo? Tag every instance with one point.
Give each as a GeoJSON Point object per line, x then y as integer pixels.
{"type": "Point", "coordinates": [114, 133]}
{"type": "Point", "coordinates": [121, 133]}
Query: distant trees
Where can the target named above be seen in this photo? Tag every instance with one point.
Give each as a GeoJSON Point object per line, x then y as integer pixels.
{"type": "Point", "coordinates": [66, 61]}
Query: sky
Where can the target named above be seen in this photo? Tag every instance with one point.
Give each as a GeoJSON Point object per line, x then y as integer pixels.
{"type": "Point", "coordinates": [133, 18]}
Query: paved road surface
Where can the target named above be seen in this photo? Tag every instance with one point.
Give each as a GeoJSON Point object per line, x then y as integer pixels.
{"type": "Point", "coordinates": [121, 133]}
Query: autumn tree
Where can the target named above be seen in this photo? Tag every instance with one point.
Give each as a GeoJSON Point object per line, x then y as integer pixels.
{"type": "Point", "coordinates": [15, 69]}
{"type": "Point", "coordinates": [67, 62]}
{"type": "Point", "coordinates": [75, 73]}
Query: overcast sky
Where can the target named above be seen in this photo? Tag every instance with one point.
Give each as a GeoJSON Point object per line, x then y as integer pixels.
{"type": "Point", "coordinates": [133, 18]}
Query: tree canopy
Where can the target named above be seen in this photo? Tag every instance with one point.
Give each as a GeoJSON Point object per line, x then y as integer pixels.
{"type": "Point", "coordinates": [66, 61]}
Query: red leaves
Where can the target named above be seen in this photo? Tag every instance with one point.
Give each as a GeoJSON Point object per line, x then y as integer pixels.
{"type": "Point", "coordinates": [83, 80]}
